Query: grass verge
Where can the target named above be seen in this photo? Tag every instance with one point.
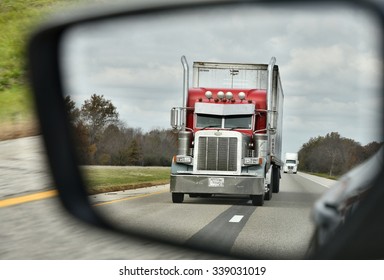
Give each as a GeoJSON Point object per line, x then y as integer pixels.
{"type": "Point", "coordinates": [100, 179]}
{"type": "Point", "coordinates": [17, 114]}
{"type": "Point", "coordinates": [18, 19]}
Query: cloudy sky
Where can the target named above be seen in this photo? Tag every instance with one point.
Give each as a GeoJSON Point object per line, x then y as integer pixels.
{"type": "Point", "coordinates": [329, 64]}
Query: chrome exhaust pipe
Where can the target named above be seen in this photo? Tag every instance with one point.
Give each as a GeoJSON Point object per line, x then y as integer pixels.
{"type": "Point", "coordinates": [185, 90]}
{"type": "Point", "coordinates": [270, 121]}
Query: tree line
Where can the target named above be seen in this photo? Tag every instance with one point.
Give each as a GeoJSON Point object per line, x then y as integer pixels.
{"type": "Point", "coordinates": [103, 139]}
{"type": "Point", "coordinates": [333, 154]}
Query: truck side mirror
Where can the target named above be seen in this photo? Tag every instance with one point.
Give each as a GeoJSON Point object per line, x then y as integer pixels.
{"type": "Point", "coordinates": [176, 114]}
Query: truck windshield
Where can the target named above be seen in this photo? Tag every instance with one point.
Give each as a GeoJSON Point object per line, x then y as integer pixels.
{"type": "Point", "coordinates": [203, 121]}
{"type": "Point", "coordinates": [238, 121]}
{"type": "Point", "coordinates": [291, 161]}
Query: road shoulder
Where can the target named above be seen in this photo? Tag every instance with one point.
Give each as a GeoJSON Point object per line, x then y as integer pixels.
{"type": "Point", "coordinates": [328, 183]}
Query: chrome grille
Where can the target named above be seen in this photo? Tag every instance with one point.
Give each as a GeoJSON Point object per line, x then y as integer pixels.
{"type": "Point", "coordinates": [217, 154]}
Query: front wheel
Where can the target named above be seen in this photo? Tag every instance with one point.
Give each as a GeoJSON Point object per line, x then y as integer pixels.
{"type": "Point", "coordinates": [275, 179]}
{"type": "Point", "coordinates": [177, 197]}
{"type": "Point", "coordinates": [257, 200]}
{"type": "Point", "coordinates": [268, 194]}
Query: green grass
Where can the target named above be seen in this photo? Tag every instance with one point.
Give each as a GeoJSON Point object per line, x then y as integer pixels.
{"type": "Point", "coordinates": [15, 104]}
{"type": "Point", "coordinates": [17, 114]}
{"type": "Point", "coordinates": [101, 179]}
{"type": "Point", "coordinates": [18, 18]}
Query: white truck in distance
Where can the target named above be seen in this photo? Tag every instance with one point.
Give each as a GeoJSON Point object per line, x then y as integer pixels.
{"type": "Point", "coordinates": [290, 163]}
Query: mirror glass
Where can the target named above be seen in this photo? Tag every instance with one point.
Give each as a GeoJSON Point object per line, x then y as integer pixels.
{"type": "Point", "coordinates": [123, 76]}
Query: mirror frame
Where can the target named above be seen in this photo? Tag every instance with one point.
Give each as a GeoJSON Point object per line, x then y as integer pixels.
{"type": "Point", "coordinates": [45, 76]}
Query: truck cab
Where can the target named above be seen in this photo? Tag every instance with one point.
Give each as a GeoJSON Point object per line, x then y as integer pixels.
{"type": "Point", "coordinates": [229, 132]}
{"type": "Point", "coordinates": [291, 163]}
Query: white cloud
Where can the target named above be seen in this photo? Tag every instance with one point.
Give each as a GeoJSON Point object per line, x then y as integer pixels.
{"type": "Point", "coordinates": [330, 65]}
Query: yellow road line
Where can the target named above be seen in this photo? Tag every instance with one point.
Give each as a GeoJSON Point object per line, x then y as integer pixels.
{"type": "Point", "coordinates": [128, 198]}
{"type": "Point", "coordinates": [27, 198]}
{"type": "Point", "coordinates": [52, 193]}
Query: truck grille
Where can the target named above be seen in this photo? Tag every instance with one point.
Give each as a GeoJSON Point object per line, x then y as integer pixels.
{"type": "Point", "coordinates": [217, 154]}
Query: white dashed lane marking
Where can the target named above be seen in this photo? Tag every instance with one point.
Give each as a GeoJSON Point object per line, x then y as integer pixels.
{"type": "Point", "coordinates": [221, 233]}
{"type": "Point", "coordinates": [236, 218]}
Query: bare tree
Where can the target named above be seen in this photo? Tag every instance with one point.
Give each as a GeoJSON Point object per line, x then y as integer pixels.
{"type": "Point", "coordinates": [96, 113]}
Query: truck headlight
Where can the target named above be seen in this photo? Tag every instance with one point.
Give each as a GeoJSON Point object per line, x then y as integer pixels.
{"type": "Point", "coordinates": [252, 161]}
{"type": "Point", "coordinates": [184, 159]}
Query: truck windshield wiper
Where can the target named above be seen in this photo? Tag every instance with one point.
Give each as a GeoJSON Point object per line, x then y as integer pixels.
{"type": "Point", "coordinates": [237, 127]}
{"type": "Point", "coordinates": [210, 126]}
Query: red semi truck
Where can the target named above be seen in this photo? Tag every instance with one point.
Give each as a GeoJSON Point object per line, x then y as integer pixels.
{"type": "Point", "coordinates": [229, 132]}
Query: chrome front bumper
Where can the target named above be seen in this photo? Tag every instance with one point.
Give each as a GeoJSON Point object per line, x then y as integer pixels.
{"type": "Point", "coordinates": [217, 184]}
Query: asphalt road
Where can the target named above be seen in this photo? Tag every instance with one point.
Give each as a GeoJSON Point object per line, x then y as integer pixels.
{"type": "Point", "coordinates": [281, 229]}
{"type": "Point", "coordinates": [42, 230]}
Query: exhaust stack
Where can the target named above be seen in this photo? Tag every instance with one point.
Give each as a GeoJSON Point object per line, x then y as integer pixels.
{"type": "Point", "coordinates": [185, 91]}
{"type": "Point", "coordinates": [271, 114]}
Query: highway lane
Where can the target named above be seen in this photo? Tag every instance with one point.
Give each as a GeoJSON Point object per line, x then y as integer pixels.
{"type": "Point", "coordinates": [281, 229]}
{"type": "Point", "coordinates": [23, 167]}
{"type": "Point", "coordinates": [41, 229]}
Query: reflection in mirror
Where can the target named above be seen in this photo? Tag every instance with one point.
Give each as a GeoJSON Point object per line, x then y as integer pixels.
{"type": "Point", "coordinates": [124, 76]}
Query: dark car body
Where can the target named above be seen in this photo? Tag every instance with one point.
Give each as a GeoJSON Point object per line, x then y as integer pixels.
{"type": "Point", "coordinates": [341, 202]}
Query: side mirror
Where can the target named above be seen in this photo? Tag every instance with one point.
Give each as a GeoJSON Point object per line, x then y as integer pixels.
{"type": "Point", "coordinates": [176, 118]}
{"type": "Point", "coordinates": [71, 56]}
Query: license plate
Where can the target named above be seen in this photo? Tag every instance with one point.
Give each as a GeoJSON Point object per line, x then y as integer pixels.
{"type": "Point", "coordinates": [216, 182]}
